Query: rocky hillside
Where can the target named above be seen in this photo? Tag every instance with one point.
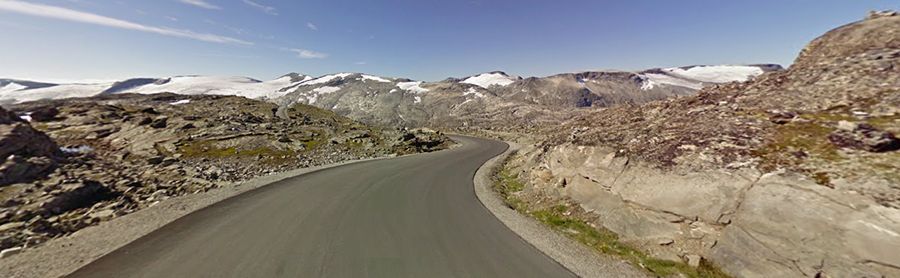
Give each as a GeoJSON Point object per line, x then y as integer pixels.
{"type": "Point", "coordinates": [792, 174]}
{"type": "Point", "coordinates": [71, 163]}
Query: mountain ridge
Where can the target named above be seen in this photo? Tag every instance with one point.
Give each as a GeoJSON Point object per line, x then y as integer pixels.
{"type": "Point", "coordinates": [479, 99]}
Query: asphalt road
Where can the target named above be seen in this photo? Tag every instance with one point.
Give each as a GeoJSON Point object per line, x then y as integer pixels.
{"type": "Point", "coordinates": [413, 216]}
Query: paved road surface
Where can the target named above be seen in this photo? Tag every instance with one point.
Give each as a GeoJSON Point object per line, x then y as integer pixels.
{"type": "Point", "coordinates": [414, 216]}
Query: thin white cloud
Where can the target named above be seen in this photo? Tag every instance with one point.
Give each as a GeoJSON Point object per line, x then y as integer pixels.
{"type": "Point", "coordinates": [312, 26]}
{"type": "Point", "coordinates": [201, 3]}
{"type": "Point", "coordinates": [266, 9]}
{"type": "Point", "coordinates": [360, 63]}
{"type": "Point", "coordinates": [307, 54]}
{"type": "Point", "coordinates": [83, 17]}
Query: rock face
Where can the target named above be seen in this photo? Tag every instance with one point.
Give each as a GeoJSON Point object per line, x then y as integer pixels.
{"type": "Point", "coordinates": [25, 152]}
{"type": "Point", "coordinates": [124, 152]}
{"type": "Point", "coordinates": [792, 174]}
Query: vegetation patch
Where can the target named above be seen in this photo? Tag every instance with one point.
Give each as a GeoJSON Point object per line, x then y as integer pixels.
{"type": "Point", "coordinates": [802, 145]}
{"type": "Point", "coordinates": [795, 142]}
{"type": "Point", "coordinates": [565, 218]}
{"type": "Point", "coordinates": [212, 149]}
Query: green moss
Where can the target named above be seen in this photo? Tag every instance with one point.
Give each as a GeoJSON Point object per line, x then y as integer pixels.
{"type": "Point", "coordinates": [803, 146]}
{"type": "Point", "coordinates": [794, 142]}
{"type": "Point", "coordinates": [601, 239]}
{"type": "Point", "coordinates": [822, 178]}
{"type": "Point", "coordinates": [41, 126]}
{"type": "Point", "coordinates": [314, 113]}
{"type": "Point", "coordinates": [210, 149]}
{"type": "Point", "coordinates": [889, 123]}
{"type": "Point", "coordinates": [312, 144]}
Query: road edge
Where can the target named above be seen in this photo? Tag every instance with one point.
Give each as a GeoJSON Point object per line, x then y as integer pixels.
{"type": "Point", "coordinates": [576, 257]}
{"type": "Point", "coordinates": [63, 256]}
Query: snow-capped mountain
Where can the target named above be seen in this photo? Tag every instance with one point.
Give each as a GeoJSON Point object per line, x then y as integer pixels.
{"type": "Point", "coordinates": [490, 79]}
{"type": "Point", "coordinates": [13, 91]}
{"type": "Point", "coordinates": [399, 101]}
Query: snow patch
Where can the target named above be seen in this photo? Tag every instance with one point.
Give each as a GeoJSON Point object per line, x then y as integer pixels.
{"type": "Point", "coordinates": [77, 149]}
{"type": "Point", "coordinates": [418, 99]}
{"type": "Point", "coordinates": [717, 74]}
{"type": "Point", "coordinates": [473, 91]}
{"type": "Point", "coordinates": [414, 87]}
{"type": "Point", "coordinates": [218, 85]}
{"type": "Point", "coordinates": [54, 92]}
{"type": "Point", "coordinates": [699, 76]}
{"type": "Point", "coordinates": [180, 102]}
{"type": "Point", "coordinates": [321, 91]}
{"type": "Point", "coordinates": [652, 80]}
{"type": "Point", "coordinates": [326, 90]}
{"type": "Point", "coordinates": [26, 116]}
{"type": "Point", "coordinates": [12, 86]}
{"type": "Point", "coordinates": [327, 78]}
{"type": "Point", "coordinates": [486, 80]}
{"type": "Point", "coordinates": [374, 78]}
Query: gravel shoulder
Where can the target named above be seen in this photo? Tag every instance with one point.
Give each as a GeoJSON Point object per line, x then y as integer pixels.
{"type": "Point", "coordinates": [573, 255]}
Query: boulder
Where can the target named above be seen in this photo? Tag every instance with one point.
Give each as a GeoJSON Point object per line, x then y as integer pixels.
{"type": "Point", "coordinates": [6, 253]}
{"type": "Point", "coordinates": [25, 153]}
{"type": "Point", "coordinates": [74, 195]}
{"type": "Point", "coordinates": [863, 137]}
{"type": "Point", "coordinates": [160, 122]}
{"type": "Point", "coordinates": [693, 260]}
{"type": "Point", "coordinates": [44, 114]}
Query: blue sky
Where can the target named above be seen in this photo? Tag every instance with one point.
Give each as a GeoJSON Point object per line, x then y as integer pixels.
{"type": "Point", "coordinates": [419, 39]}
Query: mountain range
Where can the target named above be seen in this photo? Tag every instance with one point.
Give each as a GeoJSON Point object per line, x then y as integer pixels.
{"type": "Point", "coordinates": [481, 99]}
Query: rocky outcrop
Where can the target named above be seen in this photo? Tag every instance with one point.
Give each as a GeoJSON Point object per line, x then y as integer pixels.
{"type": "Point", "coordinates": [793, 174]}
{"type": "Point", "coordinates": [750, 224]}
{"type": "Point", "coordinates": [25, 152]}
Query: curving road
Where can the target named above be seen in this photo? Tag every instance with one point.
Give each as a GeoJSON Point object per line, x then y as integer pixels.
{"type": "Point", "coordinates": [413, 216]}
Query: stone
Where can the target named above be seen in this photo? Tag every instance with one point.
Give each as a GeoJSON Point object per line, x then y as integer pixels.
{"type": "Point", "coordinates": [8, 252]}
{"type": "Point", "coordinates": [693, 260]}
{"type": "Point", "coordinates": [863, 137]}
{"type": "Point", "coordinates": [145, 121]}
{"type": "Point", "coordinates": [155, 160]}
{"type": "Point", "coordinates": [787, 225]}
{"type": "Point", "coordinates": [103, 214]}
{"type": "Point", "coordinates": [781, 117]}
{"type": "Point", "coordinates": [75, 195]}
{"type": "Point", "coordinates": [665, 241]}
{"type": "Point", "coordinates": [847, 125]}
{"type": "Point", "coordinates": [160, 122]}
{"type": "Point", "coordinates": [880, 14]}
{"type": "Point", "coordinates": [11, 226]}
{"type": "Point", "coordinates": [44, 114]}
{"type": "Point", "coordinates": [25, 152]}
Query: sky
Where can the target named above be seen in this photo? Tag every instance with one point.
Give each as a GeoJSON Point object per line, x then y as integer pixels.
{"type": "Point", "coordinates": [81, 40]}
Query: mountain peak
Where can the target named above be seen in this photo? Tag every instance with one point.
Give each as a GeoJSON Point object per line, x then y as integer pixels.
{"type": "Point", "coordinates": [295, 77]}
{"type": "Point", "coordinates": [489, 79]}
